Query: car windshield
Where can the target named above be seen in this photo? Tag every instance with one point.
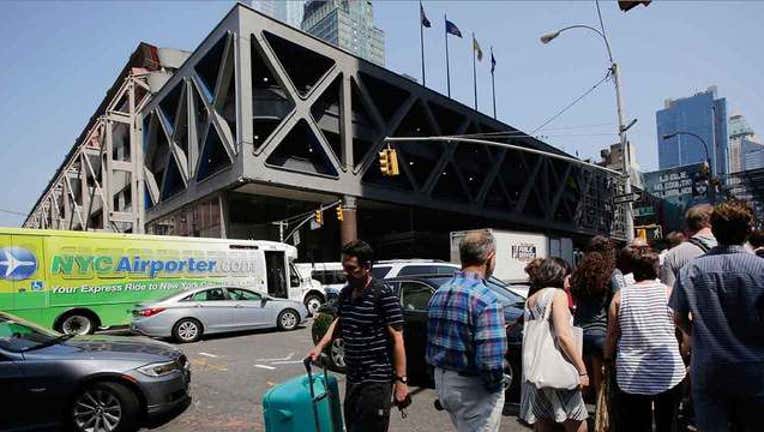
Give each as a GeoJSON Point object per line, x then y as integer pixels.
{"type": "Point", "coordinates": [18, 335]}
{"type": "Point", "coordinates": [499, 288]}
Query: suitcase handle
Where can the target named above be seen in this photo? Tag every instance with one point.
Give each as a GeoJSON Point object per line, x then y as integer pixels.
{"type": "Point", "coordinates": [307, 362]}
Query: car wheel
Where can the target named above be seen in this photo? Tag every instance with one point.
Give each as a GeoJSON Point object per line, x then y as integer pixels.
{"type": "Point", "coordinates": [105, 407]}
{"type": "Point", "coordinates": [337, 354]}
{"type": "Point", "coordinates": [77, 324]}
{"type": "Point", "coordinates": [313, 302]}
{"type": "Point", "coordinates": [288, 319]}
{"type": "Point", "coordinates": [187, 330]}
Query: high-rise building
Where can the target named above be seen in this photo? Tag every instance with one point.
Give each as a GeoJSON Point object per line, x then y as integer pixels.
{"type": "Point", "coordinates": [286, 11]}
{"type": "Point", "coordinates": [348, 24]}
{"type": "Point", "coordinates": [740, 133]}
{"type": "Point", "coordinates": [704, 115]}
{"type": "Point", "coordinates": [751, 154]}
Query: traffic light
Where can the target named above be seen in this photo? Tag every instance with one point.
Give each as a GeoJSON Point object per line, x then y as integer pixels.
{"type": "Point", "coordinates": [340, 215]}
{"type": "Point", "coordinates": [318, 216]}
{"type": "Point", "coordinates": [388, 162]}
{"type": "Point", "coordinates": [627, 5]}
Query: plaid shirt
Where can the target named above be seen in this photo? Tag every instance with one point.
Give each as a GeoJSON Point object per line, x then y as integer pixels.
{"type": "Point", "coordinates": [465, 329]}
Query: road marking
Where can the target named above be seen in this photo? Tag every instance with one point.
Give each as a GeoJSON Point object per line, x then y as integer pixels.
{"type": "Point", "coordinates": [264, 367]}
{"type": "Point", "coordinates": [208, 355]}
{"type": "Point", "coordinates": [289, 357]}
{"type": "Point", "coordinates": [285, 362]}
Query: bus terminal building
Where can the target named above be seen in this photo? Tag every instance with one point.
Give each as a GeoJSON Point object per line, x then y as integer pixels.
{"type": "Point", "coordinates": [262, 124]}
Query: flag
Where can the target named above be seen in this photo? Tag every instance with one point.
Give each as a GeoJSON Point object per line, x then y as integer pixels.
{"type": "Point", "coordinates": [453, 29]}
{"type": "Point", "coordinates": [476, 47]}
{"type": "Point", "coordinates": [493, 61]}
{"type": "Point", "coordinates": [423, 17]}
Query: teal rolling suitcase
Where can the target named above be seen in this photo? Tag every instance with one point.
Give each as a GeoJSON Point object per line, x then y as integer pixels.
{"type": "Point", "coordinates": [308, 403]}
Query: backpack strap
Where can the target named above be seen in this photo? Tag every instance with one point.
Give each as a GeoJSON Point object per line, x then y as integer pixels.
{"type": "Point", "coordinates": [702, 246]}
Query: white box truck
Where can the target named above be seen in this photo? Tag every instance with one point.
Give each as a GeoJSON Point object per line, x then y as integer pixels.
{"type": "Point", "coordinates": [515, 249]}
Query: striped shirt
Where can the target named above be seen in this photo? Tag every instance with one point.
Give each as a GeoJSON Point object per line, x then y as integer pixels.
{"type": "Point", "coordinates": [724, 290]}
{"type": "Point", "coordinates": [648, 360]}
{"type": "Point", "coordinates": [363, 328]}
{"type": "Point", "coordinates": [465, 329]}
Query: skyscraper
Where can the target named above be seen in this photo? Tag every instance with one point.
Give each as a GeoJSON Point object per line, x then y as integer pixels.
{"type": "Point", "coordinates": [286, 11]}
{"type": "Point", "coordinates": [745, 150]}
{"type": "Point", "coordinates": [348, 24]}
{"type": "Point", "coordinates": [702, 114]}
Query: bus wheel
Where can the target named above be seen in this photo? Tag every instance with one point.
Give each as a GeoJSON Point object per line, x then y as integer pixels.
{"type": "Point", "coordinates": [77, 323]}
{"type": "Point", "coordinates": [187, 330]}
{"type": "Point", "coordinates": [313, 302]}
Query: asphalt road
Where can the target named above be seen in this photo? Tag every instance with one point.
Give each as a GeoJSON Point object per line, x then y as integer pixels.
{"type": "Point", "coordinates": [231, 373]}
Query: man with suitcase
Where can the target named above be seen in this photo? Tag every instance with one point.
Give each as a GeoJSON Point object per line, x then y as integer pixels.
{"type": "Point", "coordinates": [370, 323]}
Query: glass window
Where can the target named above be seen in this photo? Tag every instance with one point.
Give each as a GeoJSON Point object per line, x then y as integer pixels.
{"type": "Point", "coordinates": [446, 270]}
{"type": "Point", "coordinates": [242, 294]}
{"type": "Point", "coordinates": [380, 272]}
{"type": "Point", "coordinates": [415, 296]}
{"type": "Point", "coordinates": [214, 294]}
{"type": "Point", "coordinates": [410, 270]}
{"type": "Point", "coordinates": [338, 277]}
{"type": "Point", "coordinates": [16, 336]}
{"type": "Point", "coordinates": [294, 277]}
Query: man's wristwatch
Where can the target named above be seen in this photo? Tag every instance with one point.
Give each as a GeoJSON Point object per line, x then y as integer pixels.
{"type": "Point", "coordinates": [404, 379]}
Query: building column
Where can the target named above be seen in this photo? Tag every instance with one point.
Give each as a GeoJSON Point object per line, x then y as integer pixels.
{"type": "Point", "coordinates": [349, 224]}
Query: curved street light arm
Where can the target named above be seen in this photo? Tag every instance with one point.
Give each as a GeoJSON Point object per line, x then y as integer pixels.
{"type": "Point", "coordinates": [698, 137]}
{"type": "Point", "coordinates": [601, 35]}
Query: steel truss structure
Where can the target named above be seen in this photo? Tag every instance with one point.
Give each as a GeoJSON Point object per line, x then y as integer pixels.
{"type": "Point", "coordinates": [261, 104]}
{"type": "Point", "coordinates": [261, 107]}
{"type": "Point", "coordinates": [97, 186]}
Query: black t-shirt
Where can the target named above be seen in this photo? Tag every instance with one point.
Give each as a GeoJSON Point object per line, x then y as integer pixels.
{"type": "Point", "coordinates": [363, 328]}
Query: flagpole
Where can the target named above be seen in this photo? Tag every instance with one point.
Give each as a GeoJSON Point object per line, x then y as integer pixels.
{"type": "Point", "coordinates": [474, 71]}
{"type": "Point", "coordinates": [493, 85]}
{"type": "Point", "coordinates": [448, 71]}
{"type": "Point", "coordinates": [421, 41]}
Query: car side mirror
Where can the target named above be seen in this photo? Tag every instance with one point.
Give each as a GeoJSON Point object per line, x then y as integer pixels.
{"type": "Point", "coordinates": [519, 305]}
{"type": "Point", "coordinates": [263, 301]}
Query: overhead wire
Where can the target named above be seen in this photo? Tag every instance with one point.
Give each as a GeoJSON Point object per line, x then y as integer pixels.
{"type": "Point", "coordinates": [13, 212]}
{"type": "Point", "coordinates": [542, 126]}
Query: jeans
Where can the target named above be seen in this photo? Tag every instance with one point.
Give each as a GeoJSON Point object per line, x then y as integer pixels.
{"type": "Point", "coordinates": [471, 407]}
{"type": "Point", "coordinates": [367, 406]}
{"type": "Point", "coordinates": [635, 411]}
{"type": "Point", "coordinates": [728, 394]}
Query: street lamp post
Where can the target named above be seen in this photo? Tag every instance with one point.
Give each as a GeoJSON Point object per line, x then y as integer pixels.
{"type": "Point", "coordinates": [712, 181]}
{"type": "Point", "coordinates": [622, 126]}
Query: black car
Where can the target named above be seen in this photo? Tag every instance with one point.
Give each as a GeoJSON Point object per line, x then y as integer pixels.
{"type": "Point", "coordinates": [86, 383]}
{"type": "Point", "coordinates": [415, 293]}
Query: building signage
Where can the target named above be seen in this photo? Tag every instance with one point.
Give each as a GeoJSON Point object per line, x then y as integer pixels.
{"type": "Point", "coordinates": [524, 252]}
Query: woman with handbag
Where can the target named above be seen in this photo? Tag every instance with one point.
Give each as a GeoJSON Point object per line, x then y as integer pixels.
{"type": "Point", "coordinates": [641, 338]}
{"type": "Point", "coordinates": [553, 369]}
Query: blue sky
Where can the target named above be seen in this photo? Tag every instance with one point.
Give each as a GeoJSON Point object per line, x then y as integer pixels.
{"type": "Point", "coordinates": [59, 58]}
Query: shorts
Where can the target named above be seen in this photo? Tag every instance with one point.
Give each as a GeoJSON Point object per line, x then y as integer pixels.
{"type": "Point", "coordinates": [594, 344]}
{"type": "Point", "coordinates": [367, 406]}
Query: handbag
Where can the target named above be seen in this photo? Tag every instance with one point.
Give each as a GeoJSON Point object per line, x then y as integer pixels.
{"type": "Point", "coordinates": [544, 364]}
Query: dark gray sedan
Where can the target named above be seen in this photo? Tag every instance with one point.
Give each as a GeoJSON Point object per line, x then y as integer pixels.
{"type": "Point", "coordinates": [86, 383]}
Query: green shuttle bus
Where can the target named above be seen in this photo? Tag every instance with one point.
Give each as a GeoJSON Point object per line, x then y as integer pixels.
{"type": "Point", "coordinates": [78, 282]}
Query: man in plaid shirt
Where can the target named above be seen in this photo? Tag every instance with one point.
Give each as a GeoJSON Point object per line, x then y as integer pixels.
{"type": "Point", "coordinates": [467, 341]}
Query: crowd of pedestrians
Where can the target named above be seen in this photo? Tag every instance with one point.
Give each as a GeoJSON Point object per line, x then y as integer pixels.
{"type": "Point", "coordinates": [620, 329]}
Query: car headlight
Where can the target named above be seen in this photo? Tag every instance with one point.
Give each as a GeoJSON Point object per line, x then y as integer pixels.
{"type": "Point", "coordinates": [159, 369]}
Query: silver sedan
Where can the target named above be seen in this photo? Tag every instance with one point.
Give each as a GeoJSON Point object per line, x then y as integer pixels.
{"type": "Point", "coordinates": [187, 315]}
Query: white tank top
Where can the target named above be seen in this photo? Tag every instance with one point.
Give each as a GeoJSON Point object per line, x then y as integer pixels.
{"type": "Point", "coordinates": [648, 360]}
